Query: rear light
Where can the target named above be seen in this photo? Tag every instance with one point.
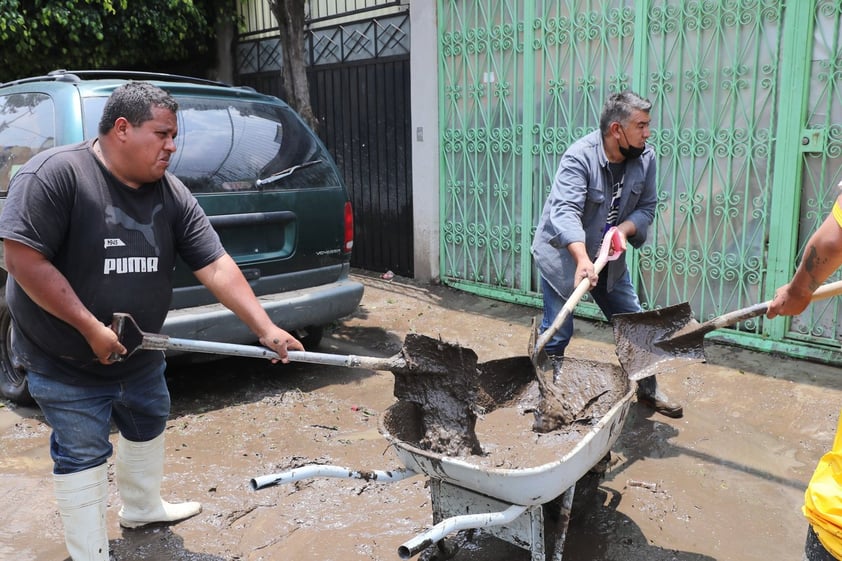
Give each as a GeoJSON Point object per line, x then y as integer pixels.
{"type": "Point", "coordinates": [349, 228]}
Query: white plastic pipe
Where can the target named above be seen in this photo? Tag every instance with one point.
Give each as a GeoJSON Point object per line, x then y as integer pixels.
{"type": "Point", "coordinates": [315, 470]}
{"type": "Point", "coordinates": [455, 524]}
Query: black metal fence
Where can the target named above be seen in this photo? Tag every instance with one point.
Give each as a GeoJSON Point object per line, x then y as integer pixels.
{"type": "Point", "coordinates": [359, 87]}
{"type": "Point", "coordinates": [259, 21]}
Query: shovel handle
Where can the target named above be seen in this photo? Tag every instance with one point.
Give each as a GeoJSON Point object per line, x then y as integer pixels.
{"type": "Point", "coordinates": [133, 339]}
{"type": "Point", "coordinates": [725, 320]}
{"type": "Point", "coordinates": [257, 351]}
{"type": "Point", "coordinates": [611, 240]}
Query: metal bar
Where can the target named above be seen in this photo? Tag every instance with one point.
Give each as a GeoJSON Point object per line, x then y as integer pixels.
{"type": "Point", "coordinates": [316, 470]}
{"type": "Point", "coordinates": [455, 524]}
{"type": "Point", "coordinates": [528, 102]}
{"type": "Point", "coordinates": [319, 16]}
{"type": "Point", "coordinates": [156, 342]}
{"type": "Point", "coordinates": [785, 201]}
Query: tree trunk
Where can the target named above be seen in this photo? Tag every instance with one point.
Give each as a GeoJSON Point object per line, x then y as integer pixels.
{"type": "Point", "coordinates": [290, 16]}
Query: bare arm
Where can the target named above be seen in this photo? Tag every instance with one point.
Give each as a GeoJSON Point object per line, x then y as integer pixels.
{"type": "Point", "coordinates": [822, 256]}
{"type": "Point", "coordinates": [225, 280]}
{"type": "Point", "coordinates": [49, 288]}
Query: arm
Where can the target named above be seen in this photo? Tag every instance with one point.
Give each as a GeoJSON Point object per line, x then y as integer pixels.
{"type": "Point", "coordinates": [49, 288]}
{"type": "Point", "coordinates": [822, 256]}
{"type": "Point", "coordinates": [225, 280]}
{"type": "Point", "coordinates": [584, 266]}
{"type": "Point", "coordinates": [568, 197]}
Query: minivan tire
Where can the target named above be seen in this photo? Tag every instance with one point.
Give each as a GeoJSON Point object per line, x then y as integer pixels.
{"type": "Point", "coordinates": [311, 336]}
{"type": "Point", "coordinates": [13, 385]}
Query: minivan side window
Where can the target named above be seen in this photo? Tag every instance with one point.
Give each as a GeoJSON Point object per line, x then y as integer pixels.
{"type": "Point", "coordinates": [27, 127]}
{"type": "Point", "coordinates": [240, 145]}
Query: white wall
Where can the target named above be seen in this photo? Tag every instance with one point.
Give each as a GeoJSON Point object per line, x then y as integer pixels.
{"type": "Point", "coordinates": [425, 133]}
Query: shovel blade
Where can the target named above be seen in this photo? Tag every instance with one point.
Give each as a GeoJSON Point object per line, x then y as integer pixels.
{"type": "Point", "coordinates": [643, 341]}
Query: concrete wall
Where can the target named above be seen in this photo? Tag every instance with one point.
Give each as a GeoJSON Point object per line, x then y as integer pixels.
{"type": "Point", "coordinates": [425, 130]}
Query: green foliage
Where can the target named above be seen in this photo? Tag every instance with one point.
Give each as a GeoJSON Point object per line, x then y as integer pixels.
{"type": "Point", "coordinates": [37, 36]}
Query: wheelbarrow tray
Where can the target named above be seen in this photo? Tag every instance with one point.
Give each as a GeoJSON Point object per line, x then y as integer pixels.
{"type": "Point", "coordinates": [529, 485]}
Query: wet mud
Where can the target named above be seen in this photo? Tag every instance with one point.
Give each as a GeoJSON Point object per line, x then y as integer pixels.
{"type": "Point", "coordinates": [446, 391]}
{"type": "Point", "coordinates": [442, 380]}
{"type": "Point", "coordinates": [725, 482]}
{"type": "Point", "coordinates": [571, 395]}
{"type": "Point", "coordinates": [662, 341]}
{"type": "Point", "coordinates": [504, 430]}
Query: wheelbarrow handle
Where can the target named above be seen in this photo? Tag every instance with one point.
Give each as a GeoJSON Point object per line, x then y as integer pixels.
{"type": "Point", "coordinates": [613, 245]}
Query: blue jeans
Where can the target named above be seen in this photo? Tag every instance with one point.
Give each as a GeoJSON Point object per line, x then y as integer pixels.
{"type": "Point", "coordinates": [621, 300]}
{"type": "Point", "coordinates": [80, 416]}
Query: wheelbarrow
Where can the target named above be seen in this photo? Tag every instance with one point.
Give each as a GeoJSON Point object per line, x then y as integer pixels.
{"type": "Point", "coordinates": [665, 339]}
{"type": "Point", "coordinates": [527, 504]}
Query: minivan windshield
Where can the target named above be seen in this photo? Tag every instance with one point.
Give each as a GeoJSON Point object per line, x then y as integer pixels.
{"type": "Point", "coordinates": [226, 145]}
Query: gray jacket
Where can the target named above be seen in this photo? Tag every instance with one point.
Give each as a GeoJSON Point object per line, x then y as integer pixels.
{"type": "Point", "coordinates": [577, 208]}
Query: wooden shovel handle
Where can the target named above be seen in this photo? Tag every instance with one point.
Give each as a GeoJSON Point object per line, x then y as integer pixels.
{"type": "Point", "coordinates": [823, 292]}
{"type": "Point", "coordinates": [611, 241]}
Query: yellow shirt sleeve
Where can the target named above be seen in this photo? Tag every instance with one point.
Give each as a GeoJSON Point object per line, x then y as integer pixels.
{"type": "Point", "coordinates": [837, 213]}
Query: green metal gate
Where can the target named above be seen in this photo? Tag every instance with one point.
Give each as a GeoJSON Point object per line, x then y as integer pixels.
{"type": "Point", "coordinates": [747, 125]}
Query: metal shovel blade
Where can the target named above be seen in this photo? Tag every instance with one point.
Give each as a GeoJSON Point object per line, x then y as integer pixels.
{"type": "Point", "coordinates": [646, 342]}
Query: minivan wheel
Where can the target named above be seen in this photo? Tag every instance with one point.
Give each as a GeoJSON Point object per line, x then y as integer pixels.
{"type": "Point", "coordinates": [310, 336]}
{"type": "Point", "coordinates": [13, 384]}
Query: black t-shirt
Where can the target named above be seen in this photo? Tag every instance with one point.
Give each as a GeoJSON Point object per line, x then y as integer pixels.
{"type": "Point", "coordinates": [116, 245]}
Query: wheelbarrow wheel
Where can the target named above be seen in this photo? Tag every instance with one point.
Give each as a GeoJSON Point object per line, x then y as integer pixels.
{"type": "Point", "coordinates": [13, 385]}
{"type": "Point", "coordinates": [311, 336]}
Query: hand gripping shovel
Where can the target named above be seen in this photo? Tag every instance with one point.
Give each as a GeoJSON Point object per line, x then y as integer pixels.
{"type": "Point", "coordinates": [612, 247]}
{"type": "Point", "coordinates": [660, 340]}
{"type": "Point", "coordinates": [563, 400]}
{"type": "Point", "coordinates": [133, 338]}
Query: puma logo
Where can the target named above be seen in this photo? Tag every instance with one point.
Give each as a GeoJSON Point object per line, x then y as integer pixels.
{"type": "Point", "coordinates": [115, 216]}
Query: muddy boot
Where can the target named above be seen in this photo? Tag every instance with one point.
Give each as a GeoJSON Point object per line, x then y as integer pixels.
{"type": "Point", "coordinates": [557, 361]}
{"type": "Point", "coordinates": [82, 500]}
{"type": "Point", "coordinates": [139, 470]}
{"type": "Point", "coordinates": [648, 394]}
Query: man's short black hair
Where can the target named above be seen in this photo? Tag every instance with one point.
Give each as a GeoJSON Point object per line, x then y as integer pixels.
{"type": "Point", "coordinates": [134, 101]}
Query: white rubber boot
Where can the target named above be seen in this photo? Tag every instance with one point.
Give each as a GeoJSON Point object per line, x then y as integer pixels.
{"type": "Point", "coordinates": [82, 498]}
{"type": "Point", "coordinates": [139, 470]}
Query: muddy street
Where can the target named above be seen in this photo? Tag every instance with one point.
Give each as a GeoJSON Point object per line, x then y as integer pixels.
{"type": "Point", "coordinates": [725, 482]}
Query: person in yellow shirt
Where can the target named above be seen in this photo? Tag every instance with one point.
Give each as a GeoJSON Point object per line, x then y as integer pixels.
{"type": "Point", "coordinates": [823, 498]}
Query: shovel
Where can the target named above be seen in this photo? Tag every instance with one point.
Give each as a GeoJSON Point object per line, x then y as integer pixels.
{"type": "Point", "coordinates": [611, 241]}
{"type": "Point", "coordinates": [563, 400]}
{"type": "Point", "coordinates": [668, 338]}
{"type": "Point", "coordinates": [130, 335]}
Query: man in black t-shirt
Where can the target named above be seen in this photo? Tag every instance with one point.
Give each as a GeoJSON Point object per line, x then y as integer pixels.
{"type": "Point", "coordinates": [89, 230]}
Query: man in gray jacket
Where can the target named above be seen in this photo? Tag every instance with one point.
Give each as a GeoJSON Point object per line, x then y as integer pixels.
{"type": "Point", "coordinates": [605, 179]}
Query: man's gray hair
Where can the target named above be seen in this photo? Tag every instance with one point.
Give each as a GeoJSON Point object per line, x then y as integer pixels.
{"type": "Point", "coordinates": [619, 107]}
{"type": "Point", "coordinates": [134, 101]}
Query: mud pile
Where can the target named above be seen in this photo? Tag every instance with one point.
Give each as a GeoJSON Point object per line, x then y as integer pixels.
{"type": "Point", "coordinates": [497, 410]}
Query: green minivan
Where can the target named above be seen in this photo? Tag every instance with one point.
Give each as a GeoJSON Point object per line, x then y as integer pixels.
{"type": "Point", "coordinates": [269, 186]}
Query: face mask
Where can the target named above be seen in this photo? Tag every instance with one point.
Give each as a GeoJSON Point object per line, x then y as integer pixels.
{"type": "Point", "coordinates": [631, 152]}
